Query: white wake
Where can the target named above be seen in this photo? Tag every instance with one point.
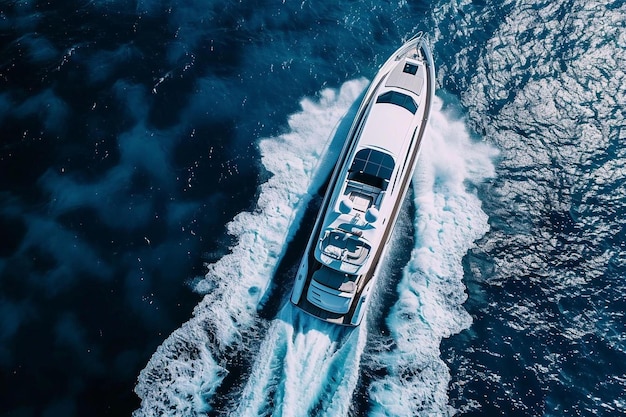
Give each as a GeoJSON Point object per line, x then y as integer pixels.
{"type": "Point", "coordinates": [303, 366]}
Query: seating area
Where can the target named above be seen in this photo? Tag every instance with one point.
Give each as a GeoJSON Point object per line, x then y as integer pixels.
{"type": "Point", "coordinates": [344, 247]}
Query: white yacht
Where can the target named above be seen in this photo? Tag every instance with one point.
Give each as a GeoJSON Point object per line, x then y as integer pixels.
{"type": "Point", "coordinates": [367, 188]}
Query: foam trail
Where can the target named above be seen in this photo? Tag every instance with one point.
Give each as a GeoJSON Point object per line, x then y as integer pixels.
{"type": "Point", "coordinates": [184, 373]}
{"type": "Point", "coordinates": [448, 219]}
{"type": "Point", "coordinates": [305, 367]}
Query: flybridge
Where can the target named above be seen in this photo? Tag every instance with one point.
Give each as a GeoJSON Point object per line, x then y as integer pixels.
{"type": "Point", "coordinates": [345, 244]}
{"type": "Point", "coordinates": [361, 206]}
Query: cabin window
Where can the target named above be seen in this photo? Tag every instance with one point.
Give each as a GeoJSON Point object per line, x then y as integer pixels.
{"type": "Point", "coordinates": [399, 99]}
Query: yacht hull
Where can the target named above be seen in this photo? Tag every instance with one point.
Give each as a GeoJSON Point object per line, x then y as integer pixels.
{"type": "Point", "coordinates": [350, 238]}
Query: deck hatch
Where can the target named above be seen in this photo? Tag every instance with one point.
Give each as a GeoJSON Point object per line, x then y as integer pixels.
{"type": "Point", "coordinates": [410, 68]}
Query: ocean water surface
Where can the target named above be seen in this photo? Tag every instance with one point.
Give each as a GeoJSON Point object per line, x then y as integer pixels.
{"type": "Point", "coordinates": [161, 163]}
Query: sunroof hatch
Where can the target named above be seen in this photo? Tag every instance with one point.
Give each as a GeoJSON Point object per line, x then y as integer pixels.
{"type": "Point", "coordinates": [410, 68]}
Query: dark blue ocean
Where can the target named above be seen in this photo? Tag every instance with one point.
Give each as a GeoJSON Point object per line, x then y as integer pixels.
{"type": "Point", "coordinates": [161, 163]}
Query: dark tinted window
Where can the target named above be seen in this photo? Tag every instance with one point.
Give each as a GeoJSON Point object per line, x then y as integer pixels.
{"type": "Point", "coordinates": [398, 99]}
